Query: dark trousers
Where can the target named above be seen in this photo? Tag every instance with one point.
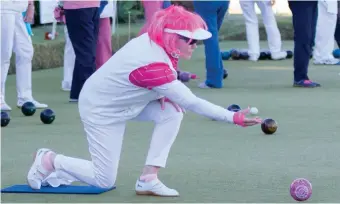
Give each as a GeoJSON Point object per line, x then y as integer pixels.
{"type": "Point", "coordinates": [304, 19]}
{"type": "Point", "coordinates": [82, 26]}
{"type": "Point", "coordinates": [337, 32]}
{"type": "Point", "coordinates": [213, 13]}
{"type": "Point", "coordinates": [337, 29]}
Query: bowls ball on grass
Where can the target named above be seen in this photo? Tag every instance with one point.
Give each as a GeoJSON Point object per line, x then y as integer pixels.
{"type": "Point", "coordinates": [28, 109]}
{"type": "Point", "coordinates": [47, 116]}
{"type": "Point", "coordinates": [269, 126]}
{"type": "Point", "coordinates": [5, 119]}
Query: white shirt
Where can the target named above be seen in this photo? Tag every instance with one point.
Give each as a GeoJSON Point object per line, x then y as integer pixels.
{"type": "Point", "coordinates": [108, 93]}
{"type": "Point", "coordinates": [108, 97]}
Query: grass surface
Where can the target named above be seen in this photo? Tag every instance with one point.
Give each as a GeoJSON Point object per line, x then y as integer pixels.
{"type": "Point", "coordinates": [210, 161]}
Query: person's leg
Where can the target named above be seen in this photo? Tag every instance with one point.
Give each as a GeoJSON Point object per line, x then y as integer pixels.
{"type": "Point", "coordinates": [337, 29]}
{"type": "Point", "coordinates": [314, 21]}
{"type": "Point", "coordinates": [7, 39]}
{"type": "Point", "coordinates": [24, 51]}
{"type": "Point", "coordinates": [167, 124]}
{"type": "Point", "coordinates": [104, 45]}
{"type": "Point", "coordinates": [252, 29]}
{"type": "Point", "coordinates": [105, 143]}
{"type": "Point", "coordinates": [324, 41]}
{"type": "Point", "coordinates": [337, 32]}
{"type": "Point", "coordinates": [303, 15]}
{"type": "Point", "coordinates": [82, 28]}
{"type": "Point", "coordinates": [221, 13]}
{"type": "Point", "coordinates": [220, 17]}
{"type": "Point", "coordinates": [214, 72]}
{"type": "Point", "coordinates": [272, 30]}
{"type": "Point", "coordinates": [69, 61]}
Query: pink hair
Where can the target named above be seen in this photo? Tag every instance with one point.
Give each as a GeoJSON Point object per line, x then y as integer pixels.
{"type": "Point", "coordinates": [176, 18]}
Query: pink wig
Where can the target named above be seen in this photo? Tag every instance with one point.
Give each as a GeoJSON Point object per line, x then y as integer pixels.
{"type": "Point", "coordinates": [176, 18]}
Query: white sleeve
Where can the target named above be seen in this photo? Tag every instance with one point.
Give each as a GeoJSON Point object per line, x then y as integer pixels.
{"type": "Point", "coordinates": [177, 92]}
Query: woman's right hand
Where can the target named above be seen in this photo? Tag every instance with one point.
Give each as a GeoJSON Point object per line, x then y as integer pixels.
{"type": "Point", "coordinates": [241, 119]}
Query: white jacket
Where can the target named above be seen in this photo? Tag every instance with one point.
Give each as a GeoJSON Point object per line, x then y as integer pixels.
{"type": "Point", "coordinates": [13, 6]}
{"type": "Point", "coordinates": [108, 96]}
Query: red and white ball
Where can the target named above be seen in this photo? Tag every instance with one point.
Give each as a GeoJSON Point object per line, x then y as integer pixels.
{"type": "Point", "coordinates": [301, 189]}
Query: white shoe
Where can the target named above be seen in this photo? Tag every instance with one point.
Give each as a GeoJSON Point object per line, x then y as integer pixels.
{"type": "Point", "coordinates": [327, 62]}
{"type": "Point", "coordinates": [278, 55]}
{"type": "Point", "coordinates": [203, 86]}
{"type": "Point", "coordinates": [5, 107]}
{"type": "Point", "coordinates": [253, 57]}
{"type": "Point", "coordinates": [37, 172]}
{"type": "Point", "coordinates": [154, 188]}
{"type": "Point", "coordinates": [73, 100]}
{"type": "Point", "coordinates": [36, 103]}
{"type": "Point", "coordinates": [66, 86]}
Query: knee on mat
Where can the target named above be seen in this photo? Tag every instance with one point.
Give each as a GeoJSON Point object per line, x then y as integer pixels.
{"type": "Point", "coordinates": [105, 181]}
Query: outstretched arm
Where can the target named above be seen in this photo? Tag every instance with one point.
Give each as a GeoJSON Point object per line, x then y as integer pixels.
{"type": "Point", "coordinates": [180, 94]}
{"type": "Point", "coordinates": [160, 78]}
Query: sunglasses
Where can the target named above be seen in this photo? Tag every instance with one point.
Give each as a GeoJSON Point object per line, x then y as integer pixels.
{"type": "Point", "coordinates": [188, 40]}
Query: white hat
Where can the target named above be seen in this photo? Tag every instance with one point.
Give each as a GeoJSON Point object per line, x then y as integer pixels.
{"type": "Point", "coordinates": [198, 34]}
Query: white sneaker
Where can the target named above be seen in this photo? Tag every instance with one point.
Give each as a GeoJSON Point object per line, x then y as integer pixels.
{"type": "Point", "coordinates": [73, 100]}
{"type": "Point", "coordinates": [37, 172]}
{"type": "Point", "coordinates": [5, 107]}
{"type": "Point", "coordinates": [203, 86]}
{"type": "Point", "coordinates": [253, 57]}
{"type": "Point", "coordinates": [65, 86]}
{"type": "Point", "coordinates": [327, 62]}
{"type": "Point", "coordinates": [278, 55]}
{"type": "Point", "coordinates": [36, 103]}
{"type": "Point", "coordinates": [154, 188]}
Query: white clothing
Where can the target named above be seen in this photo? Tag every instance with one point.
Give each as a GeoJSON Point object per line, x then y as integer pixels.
{"type": "Point", "coordinates": [115, 87]}
{"type": "Point", "coordinates": [105, 143]}
{"type": "Point", "coordinates": [108, 100]}
{"type": "Point", "coordinates": [15, 38]}
{"type": "Point", "coordinates": [13, 6]}
{"type": "Point", "coordinates": [252, 27]}
{"type": "Point", "coordinates": [325, 29]}
{"type": "Point", "coordinates": [69, 61]}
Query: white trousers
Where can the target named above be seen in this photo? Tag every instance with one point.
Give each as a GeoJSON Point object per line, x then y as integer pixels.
{"type": "Point", "coordinates": [252, 27]}
{"type": "Point", "coordinates": [324, 37]}
{"type": "Point", "coordinates": [15, 38]}
{"type": "Point", "coordinates": [69, 60]}
{"type": "Point", "coordinates": [105, 144]}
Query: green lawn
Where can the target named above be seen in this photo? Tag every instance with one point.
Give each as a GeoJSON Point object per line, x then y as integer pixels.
{"type": "Point", "coordinates": [206, 164]}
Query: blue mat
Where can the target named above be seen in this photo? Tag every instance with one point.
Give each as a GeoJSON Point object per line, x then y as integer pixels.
{"type": "Point", "coordinates": [58, 190]}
